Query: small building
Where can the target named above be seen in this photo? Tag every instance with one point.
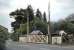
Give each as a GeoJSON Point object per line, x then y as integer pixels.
{"type": "Point", "coordinates": [57, 38]}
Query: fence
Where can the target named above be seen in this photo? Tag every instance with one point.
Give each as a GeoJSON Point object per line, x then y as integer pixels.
{"type": "Point", "coordinates": [34, 39]}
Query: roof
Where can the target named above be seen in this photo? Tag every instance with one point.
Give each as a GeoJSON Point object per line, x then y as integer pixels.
{"type": "Point", "coordinates": [3, 28]}
{"type": "Point", "coordinates": [36, 32]}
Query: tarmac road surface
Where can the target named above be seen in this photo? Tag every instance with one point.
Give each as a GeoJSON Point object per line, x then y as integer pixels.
{"type": "Point", "coordinates": [10, 45]}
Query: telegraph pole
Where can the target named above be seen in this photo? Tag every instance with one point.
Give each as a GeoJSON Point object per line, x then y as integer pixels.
{"type": "Point", "coordinates": [27, 23]}
{"type": "Point", "coordinates": [49, 34]}
{"type": "Point", "coordinates": [28, 17]}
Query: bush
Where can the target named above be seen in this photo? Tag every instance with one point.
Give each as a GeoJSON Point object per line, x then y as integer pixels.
{"type": "Point", "coordinates": [15, 36]}
{"type": "Point", "coordinates": [3, 38]}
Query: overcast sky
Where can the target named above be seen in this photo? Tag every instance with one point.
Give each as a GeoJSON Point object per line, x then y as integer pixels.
{"type": "Point", "coordinates": [59, 9]}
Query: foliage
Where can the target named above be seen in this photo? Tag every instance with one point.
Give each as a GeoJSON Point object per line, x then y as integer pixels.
{"type": "Point", "coordinates": [67, 25]}
{"type": "Point", "coordinates": [20, 16]}
{"type": "Point", "coordinates": [23, 28]}
{"type": "Point", "coordinates": [44, 17]}
{"type": "Point", "coordinates": [20, 24]}
{"type": "Point", "coordinates": [3, 37]}
{"type": "Point", "coordinates": [15, 36]}
{"type": "Point", "coordinates": [39, 25]}
{"type": "Point", "coordinates": [38, 14]}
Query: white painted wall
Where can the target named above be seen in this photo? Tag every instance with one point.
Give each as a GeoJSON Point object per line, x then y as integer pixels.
{"type": "Point", "coordinates": [22, 39]}
{"type": "Point", "coordinates": [57, 40]}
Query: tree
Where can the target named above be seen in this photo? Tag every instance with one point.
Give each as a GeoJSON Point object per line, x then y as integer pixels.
{"type": "Point", "coordinates": [39, 25]}
{"type": "Point", "coordinates": [70, 24]}
{"type": "Point", "coordinates": [20, 16]}
{"type": "Point", "coordinates": [20, 23]}
{"type": "Point", "coordinates": [30, 13]}
{"type": "Point", "coordinates": [44, 17]}
{"type": "Point", "coordinates": [39, 14]}
{"type": "Point", "coordinates": [67, 25]}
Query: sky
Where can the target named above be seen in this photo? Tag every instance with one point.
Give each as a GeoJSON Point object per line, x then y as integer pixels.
{"type": "Point", "coordinates": [59, 9]}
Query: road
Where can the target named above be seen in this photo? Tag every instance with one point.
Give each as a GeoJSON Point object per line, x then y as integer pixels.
{"type": "Point", "coordinates": [22, 46]}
